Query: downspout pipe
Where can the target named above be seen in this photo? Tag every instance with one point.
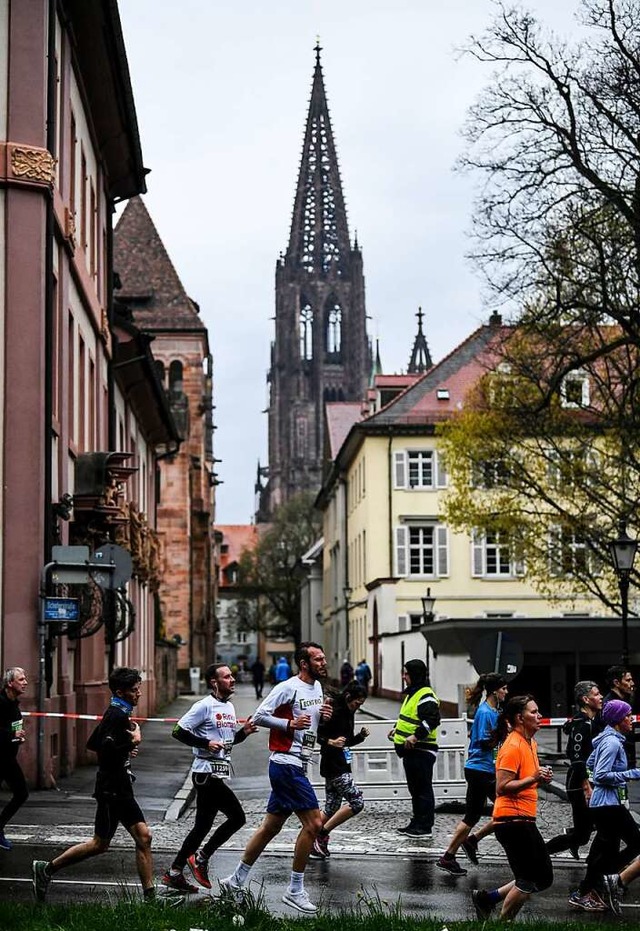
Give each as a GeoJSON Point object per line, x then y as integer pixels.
{"type": "Point", "coordinates": [49, 318]}
{"type": "Point", "coordinates": [390, 501]}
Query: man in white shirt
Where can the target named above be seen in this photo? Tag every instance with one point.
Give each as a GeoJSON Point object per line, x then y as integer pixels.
{"type": "Point", "coordinates": [292, 712]}
{"type": "Point", "coordinates": [210, 729]}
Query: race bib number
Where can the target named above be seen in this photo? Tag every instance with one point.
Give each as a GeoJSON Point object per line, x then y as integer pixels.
{"type": "Point", "coordinates": [220, 768]}
{"type": "Point", "coordinates": [308, 743]}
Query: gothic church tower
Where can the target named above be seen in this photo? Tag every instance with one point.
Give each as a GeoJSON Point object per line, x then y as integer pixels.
{"type": "Point", "coordinates": [321, 351]}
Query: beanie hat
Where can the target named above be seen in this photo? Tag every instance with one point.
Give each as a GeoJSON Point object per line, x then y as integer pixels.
{"type": "Point", "coordinates": [417, 670]}
{"type": "Point", "coordinates": [615, 711]}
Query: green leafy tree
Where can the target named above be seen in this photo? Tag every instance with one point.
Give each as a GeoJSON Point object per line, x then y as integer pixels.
{"type": "Point", "coordinates": [270, 572]}
{"type": "Point", "coordinates": [545, 453]}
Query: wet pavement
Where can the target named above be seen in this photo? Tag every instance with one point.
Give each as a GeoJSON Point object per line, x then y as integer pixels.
{"type": "Point", "coordinates": [398, 868]}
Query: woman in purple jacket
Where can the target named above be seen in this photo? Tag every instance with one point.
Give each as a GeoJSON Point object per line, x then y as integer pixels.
{"type": "Point", "coordinates": [609, 802]}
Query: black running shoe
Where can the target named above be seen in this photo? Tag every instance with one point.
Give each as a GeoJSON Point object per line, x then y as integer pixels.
{"type": "Point", "coordinates": [451, 865]}
{"type": "Point", "coordinates": [482, 904]}
{"type": "Point", "coordinates": [470, 847]}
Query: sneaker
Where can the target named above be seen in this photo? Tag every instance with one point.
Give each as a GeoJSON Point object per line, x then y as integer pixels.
{"type": "Point", "coordinates": [229, 886]}
{"type": "Point", "coordinates": [318, 851]}
{"type": "Point", "coordinates": [451, 865]}
{"type": "Point", "coordinates": [41, 879]}
{"type": "Point", "coordinates": [5, 843]}
{"type": "Point", "coordinates": [613, 892]}
{"type": "Point", "coordinates": [300, 900]}
{"type": "Point", "coordinates": [470, 847]}
{"type": "Point", "coordinates": [482, 904]}
{"type": "Point", "coordinates": [199, 870]}
{"type": "Point", "coordinates": [405, 829]}
{"type": "Point", "coordinates": [587, 902]}
{"type": "Point", "coordinates": [418, 832]}
{"type": "Point", "coordinates": [178, 882]}
{"type": "Point", "coordinates": [597, 898]}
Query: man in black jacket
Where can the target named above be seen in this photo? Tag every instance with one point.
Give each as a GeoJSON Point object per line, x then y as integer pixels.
{"type": "Point", "coordinates": [115, 740]}
{"type": "Point", "coordinates": [12, 735]}
{"type": "Point", "coordinates": [621, 687]}
{"type": "Point", "coordinates": [580, 730]}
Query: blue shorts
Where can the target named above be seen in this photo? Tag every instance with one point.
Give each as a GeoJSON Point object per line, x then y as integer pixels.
{"type": "Point", "coordinates": [290, 790]}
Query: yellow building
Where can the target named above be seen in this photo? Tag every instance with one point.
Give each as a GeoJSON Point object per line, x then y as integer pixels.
{"type": "Point", "coordinates": [386, 546]}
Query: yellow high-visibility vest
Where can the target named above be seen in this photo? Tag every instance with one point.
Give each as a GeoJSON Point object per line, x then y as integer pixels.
{"type": "Point", "coordinates": [408, 720]}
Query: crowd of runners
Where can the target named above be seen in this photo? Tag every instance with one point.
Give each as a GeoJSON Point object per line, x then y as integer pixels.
{"type": "Point", "coordinates": [502, 768]}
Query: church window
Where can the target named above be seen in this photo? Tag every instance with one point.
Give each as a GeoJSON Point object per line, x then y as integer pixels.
{"type": "Point", "coordinates": [306, 332]}
{"type": "Point", "coordinates": [175, 376]}
{"type": "Point", "coordinates": [160, 370]}
{"type": "Point", "coordinates": [334, 330]}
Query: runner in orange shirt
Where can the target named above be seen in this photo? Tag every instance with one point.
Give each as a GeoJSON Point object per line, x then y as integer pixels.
{"type": "Point", "coordinates": [518, 774]}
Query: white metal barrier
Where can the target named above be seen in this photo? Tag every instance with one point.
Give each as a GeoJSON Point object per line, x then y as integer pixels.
{"type": "Point", "coordinates": [378, 770]}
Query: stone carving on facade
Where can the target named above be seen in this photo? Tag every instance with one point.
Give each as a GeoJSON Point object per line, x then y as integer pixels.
{"type": "Point", "coordinates": [143, 543]}
{"type": "Point", "coordinates": [30, 164]}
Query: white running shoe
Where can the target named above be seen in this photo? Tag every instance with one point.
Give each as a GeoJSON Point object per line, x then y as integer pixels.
{"type": "Point", "coordinates": [230, 886]}
{"type": "Point", "coordinates": [300, 900]}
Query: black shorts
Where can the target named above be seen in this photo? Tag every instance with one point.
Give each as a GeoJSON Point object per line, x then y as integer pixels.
{"type": "Point", "coordinates": [527, 854]}
{"type": "Point", "coordinates": [481, 787]}
{"type": "Point", "coordinates": [112, 811]}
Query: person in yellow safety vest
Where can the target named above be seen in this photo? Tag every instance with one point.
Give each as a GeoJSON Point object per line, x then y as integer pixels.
{"type": "Point", "coordinates": [415, 738]}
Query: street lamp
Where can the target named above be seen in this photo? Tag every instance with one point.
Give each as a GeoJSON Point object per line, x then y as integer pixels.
{"type": "Point", "coordinates": [428, 604]}
{"type": "Point", "coordinates": [623, 552]}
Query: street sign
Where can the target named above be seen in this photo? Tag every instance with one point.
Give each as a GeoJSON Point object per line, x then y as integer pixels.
{"type": "Point", "coordinates": [61, 609]}
{"type": "Point", "coordinates": [117, 563]}
{"type": "Point", "coordinates": [65, 558]}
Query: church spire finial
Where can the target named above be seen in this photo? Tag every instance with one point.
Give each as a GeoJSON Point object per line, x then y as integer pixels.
{"type": "Point", "coordinates": [317, 49]}
{"type": "Point", "coordinates": [319, 239]}
{"type": "Point", "coordinates": [420, 356]}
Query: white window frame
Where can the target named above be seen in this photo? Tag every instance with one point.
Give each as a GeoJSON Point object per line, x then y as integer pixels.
{"type": "Point", "coordinates": [577, 377]}
{"type": "Point", "coordinates": [562, 540]}
{"type": "Point", "coordinates": [439, 546]}
{"type": "Point", "coordinates": [482, 548]}
{"type": "Point", "coordinates": [402, 467]}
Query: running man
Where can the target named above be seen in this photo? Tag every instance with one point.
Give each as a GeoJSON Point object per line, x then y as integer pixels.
{"type": "Point", "coordinates": [115, 740]}
{"type": "Point", "coordinates": [210, 729]}
{"type": "Point", "coordinates": [12, 736]}
{"type": "Point", "coordinates": [292, 711]}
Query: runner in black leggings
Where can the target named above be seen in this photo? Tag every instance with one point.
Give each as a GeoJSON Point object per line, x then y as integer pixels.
{"type": "Point", "coordinates": [209, 727]}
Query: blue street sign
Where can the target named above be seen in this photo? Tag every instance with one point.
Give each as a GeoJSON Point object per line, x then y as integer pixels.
{"type": "Point", "coordinates": [61, 609]}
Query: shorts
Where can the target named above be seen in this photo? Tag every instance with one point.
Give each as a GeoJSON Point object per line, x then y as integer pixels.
{"type": "Point", "coordinates": [113, 811]}
{"type": "Point", "coordinates": [342, 787]}
{"type": "Point", "coordinates": [290, 790]}
{"type": "Point", "coordinates": [481, 787]}
{"type": "Point", "coordinates": [527, 854]}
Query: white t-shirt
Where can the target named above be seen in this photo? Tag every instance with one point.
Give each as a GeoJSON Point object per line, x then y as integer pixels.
{"type": "Point", "coordinates": [214, 720]}
{"type": "Point", "coordinates": [286, 701]}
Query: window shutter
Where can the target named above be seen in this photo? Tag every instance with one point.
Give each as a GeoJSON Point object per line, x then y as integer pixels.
{"type": "Point", "coordinates": [442, 551]}
{"type": "Point", "coordinates": [555, 551]}
{"type": "Point", "coordinates": [404, 623]}
{"type": "Point", "coordinates": [442, 479]}
{"type": "Point", "coordinates": [400, 469]}
{"type": "Point", "coordinates": [401, 551]}
{"type": "Point", "coordinates": [477, 554]}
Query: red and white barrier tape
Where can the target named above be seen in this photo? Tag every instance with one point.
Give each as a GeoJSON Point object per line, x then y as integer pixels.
{"type": "Point", "coordinates": [89, 717]}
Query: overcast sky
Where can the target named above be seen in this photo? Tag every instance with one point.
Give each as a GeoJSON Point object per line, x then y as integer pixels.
{"type": "Point", "coordinates": [222, 89]}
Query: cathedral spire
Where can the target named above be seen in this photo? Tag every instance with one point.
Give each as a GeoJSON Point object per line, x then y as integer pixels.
{"type": "Point", "coordinates": [319, 240]}
{"type": "Point", "coordinates": [420, 356]}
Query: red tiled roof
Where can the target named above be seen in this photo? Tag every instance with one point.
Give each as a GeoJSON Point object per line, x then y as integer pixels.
{"type": "Point", "coordinates": [340, 417]}
{"type": "Point", "coordinates": [237, 538]}
{"type": "Point", "coordinates": [150, 284]}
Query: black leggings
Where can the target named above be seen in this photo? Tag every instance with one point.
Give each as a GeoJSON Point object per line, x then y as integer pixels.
{"type": "Point", "coordinates": [212, 795]}
{"type": "Point", "coordinates": [614, 824]}
{"type": "Point", "coordinates": [11, 773]}
{"type": "Point", "coordinates": [579, 834]}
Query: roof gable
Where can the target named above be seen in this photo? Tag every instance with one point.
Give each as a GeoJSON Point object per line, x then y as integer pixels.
{"type": "Point", "coordinates": [150, 284]}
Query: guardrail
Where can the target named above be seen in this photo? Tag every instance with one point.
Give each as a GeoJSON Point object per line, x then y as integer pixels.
{"type": "Point", "coordinates": [378, 770]}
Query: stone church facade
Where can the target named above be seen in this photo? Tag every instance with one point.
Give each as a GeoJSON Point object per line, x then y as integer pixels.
{"type": "Point", "coordinates": [321, 352]}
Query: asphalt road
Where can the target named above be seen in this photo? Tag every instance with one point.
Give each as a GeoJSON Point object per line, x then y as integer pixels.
{"type": "Point", "coordinates": [415, 882]}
